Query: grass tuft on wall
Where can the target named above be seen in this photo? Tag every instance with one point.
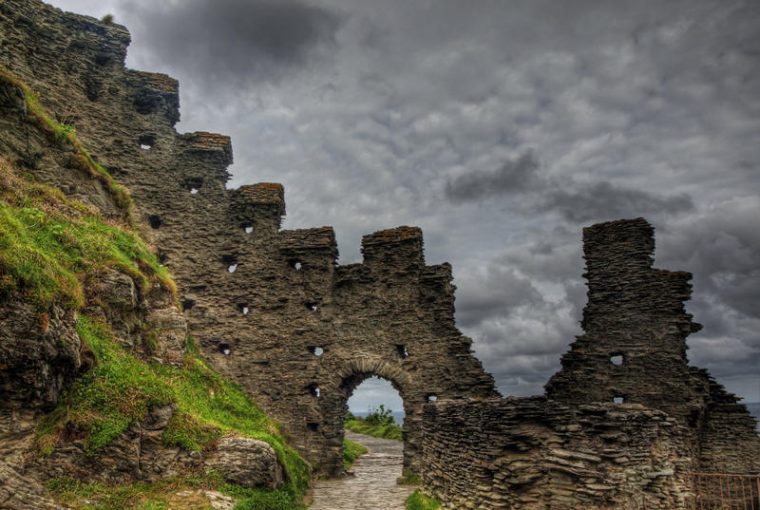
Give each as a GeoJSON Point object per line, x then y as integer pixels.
{"type": "Point", "coordinates": [64, 133]}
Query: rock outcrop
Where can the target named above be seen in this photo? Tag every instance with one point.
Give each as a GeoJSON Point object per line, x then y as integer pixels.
{"type": "Point", "coordinates": [39, 354]}
{"type": "Point", "coordinates": [246, 462]}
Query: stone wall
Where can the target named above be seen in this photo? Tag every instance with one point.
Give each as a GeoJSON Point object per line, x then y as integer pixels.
{"type": "Point", "coordinates": [633, 348]}
{"type": "Point", "coordinates": [533, 453]}
{"type": "Point", "coordinates": [270, 308]}
{"type": "Point", "coordinates": [624, 422]}
{"type": "Point", "coordinates": [635, 326]}
{"type": "Point", "coordinates": [274, 309]}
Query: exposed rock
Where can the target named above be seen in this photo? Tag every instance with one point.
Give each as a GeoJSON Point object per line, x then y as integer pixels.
{"type": "Point", "coordinates": [219, 501]}
{"type": "Point", "coordinates": [167, 328]}
{"type": "Point", "coordinates": [247, 462]}
{"type": "Point", "coordinates": [21, 493]}
{"type": "Point", "coordinates": [138, 454]}
{"type": "Point", "coordinates": [39, 354]}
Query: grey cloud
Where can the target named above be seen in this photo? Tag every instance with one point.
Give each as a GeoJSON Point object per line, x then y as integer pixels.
{"type": "Point", "coordinates": [494, 293]}
{"type": "Point", "coordinates": [575, 202]}
{"type": "Point", "coordinates": [514, 176]}
{"type": "Point", "coordinates": [605, 201]}
{"type": "Point", "coordinates": [229, 42]}
{"type": "Point", "coordinates": [722, 249]}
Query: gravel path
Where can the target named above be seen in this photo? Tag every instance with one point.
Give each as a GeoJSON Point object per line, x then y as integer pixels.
{"type": "Point", "coordinates": [373, 486]}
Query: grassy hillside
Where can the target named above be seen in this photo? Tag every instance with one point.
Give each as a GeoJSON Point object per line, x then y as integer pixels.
{"type": "Point", "coordinates": [120, 389]}
{"type": "Point", "coordinates": [49, 244]}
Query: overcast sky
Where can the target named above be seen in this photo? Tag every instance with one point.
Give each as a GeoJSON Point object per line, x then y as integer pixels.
{"type": "Point", "coordinates": [501, 128]}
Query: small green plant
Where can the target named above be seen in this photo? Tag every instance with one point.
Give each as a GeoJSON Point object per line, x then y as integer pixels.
{"type": "Point", "coordinates": [418, 501]}
{"type": "Point", "coordinates": [107, 19]}
{"type": "Point", "coordinates": [380, 416]}
{"type": "Point", "coordinates": [409, 478]}
{"type": "Point", "coordinates": [63, 132]}
{"type": "Point", "coordinates": [352, 451]}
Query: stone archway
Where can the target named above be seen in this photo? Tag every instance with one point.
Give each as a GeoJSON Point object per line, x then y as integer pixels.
{"type": "Point", "coordinates": [334, 406]}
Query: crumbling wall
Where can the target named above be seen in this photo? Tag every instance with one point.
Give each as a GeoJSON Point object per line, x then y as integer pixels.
{"type": "Point", "coordinates": [635, 326]}
{"type": "Point", "coordinates": [274, 310]}
{"type": "Point", "coordinates": [624, 422]}
{"type": "Point", "coordinates": [633, 348]}
{"type": "Point", "coordinates": [532, 453]}
{"type": "Point", "coordinates": [270, 308]}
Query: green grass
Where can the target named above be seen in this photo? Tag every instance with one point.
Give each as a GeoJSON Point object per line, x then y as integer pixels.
{"type": "Point", "coordinates": [49, 244]}
{"type": "Point", "coordinates": [409, 478]}
{"type": "Point", "coordinates": [385, 431]}
{"type": "Point", "coordinates": [120, 389]}
{"type": "Point", "coordinates": [418, 501]}
{"type": "Point", "coordinates": [352, 451]}
{"type": "Point", "coordinates": [63, 133]}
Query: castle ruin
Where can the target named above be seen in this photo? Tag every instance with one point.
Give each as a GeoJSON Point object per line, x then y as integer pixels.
{"type": "Point", "coordinates": [626, 419]}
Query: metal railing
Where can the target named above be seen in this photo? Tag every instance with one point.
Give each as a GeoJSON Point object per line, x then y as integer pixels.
{"type": "Point", "coordinates": [719, 491]}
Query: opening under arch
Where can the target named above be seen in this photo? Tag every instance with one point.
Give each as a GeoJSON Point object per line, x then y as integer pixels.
{"type": "Point", "coordinates": [372, 393]}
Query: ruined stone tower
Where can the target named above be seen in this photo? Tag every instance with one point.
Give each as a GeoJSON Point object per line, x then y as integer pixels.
{"type": "Point", "coordinates": [635, 326]}
{"type": "Point", "coordinates": [633, 349]}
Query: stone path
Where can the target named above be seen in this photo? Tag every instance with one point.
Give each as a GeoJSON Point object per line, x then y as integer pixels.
{"type": "Point", "coordinates": [373, 486]}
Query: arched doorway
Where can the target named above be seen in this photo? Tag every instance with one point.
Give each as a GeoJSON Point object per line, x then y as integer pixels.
{"type": "Point", "coordinates": [375, 421]}
{"type": "Point", "coordinates": [334, 406]}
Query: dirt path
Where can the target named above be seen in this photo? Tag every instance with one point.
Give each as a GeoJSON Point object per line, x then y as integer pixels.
{"type": "Point", "coordinates": [373, 486]}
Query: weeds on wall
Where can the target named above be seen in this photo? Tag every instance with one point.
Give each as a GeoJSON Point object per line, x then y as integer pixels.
{"type": "Point", "coordinates": [418, 501]}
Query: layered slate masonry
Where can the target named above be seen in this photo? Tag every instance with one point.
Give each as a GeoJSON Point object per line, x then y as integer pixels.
{"type": "Point", "coordinates": [269, 307]}
{"type": "Point", "coordinates": [624, 423]}
{"type": "Point", "coordinates": [621, 426]}
{"type": "Point", "coordinates": [633, 349]}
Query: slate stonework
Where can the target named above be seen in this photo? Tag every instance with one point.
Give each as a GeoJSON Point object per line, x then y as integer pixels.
{"type": "Point", "coordinates": [274, 310]}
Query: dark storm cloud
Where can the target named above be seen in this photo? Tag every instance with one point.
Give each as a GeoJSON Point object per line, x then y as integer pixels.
{"type": "Point", "coordinates": [605, 201]}
{"type": "Point", "coordinates": [576, 203]}
{"type": "Point", "coordinates": [722, 250]}
{"type": "Point", "coordinates": [514, 176]}
{"type": "Point", "coordinates": [229, 41]}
